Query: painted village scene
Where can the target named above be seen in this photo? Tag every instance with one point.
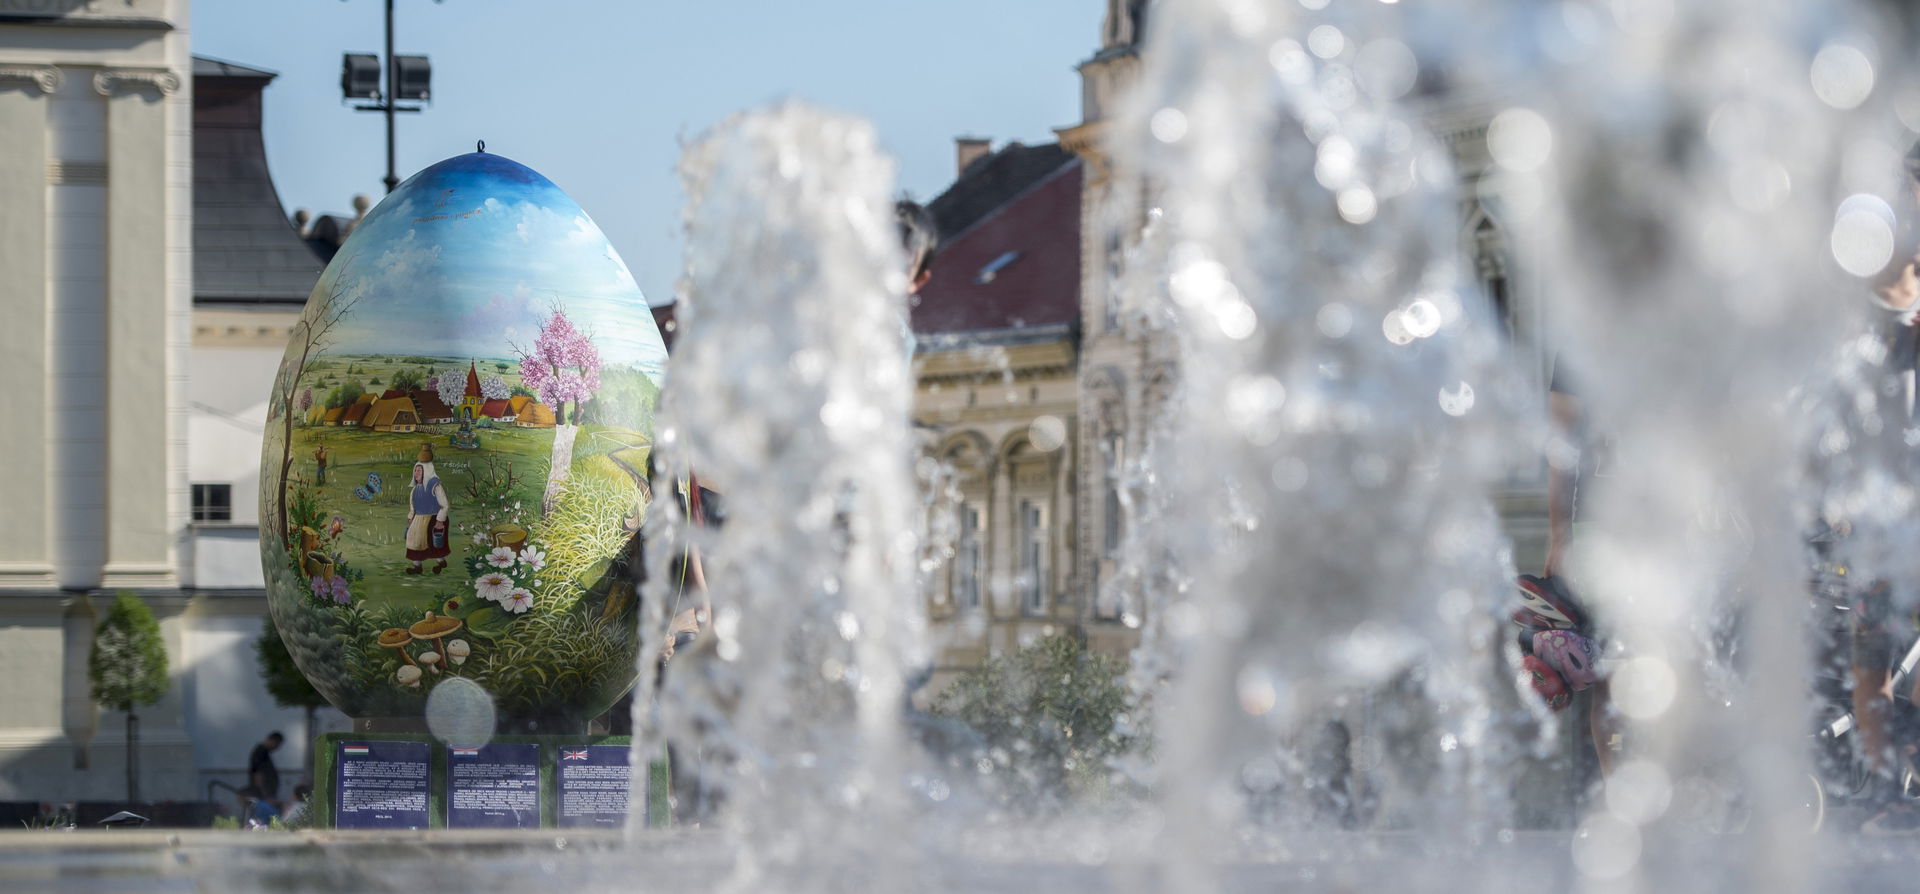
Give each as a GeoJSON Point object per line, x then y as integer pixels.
{"type": "Point", "coordinates": [459, 438]}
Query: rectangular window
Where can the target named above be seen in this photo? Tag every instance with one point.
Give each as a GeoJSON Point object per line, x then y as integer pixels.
{"type": "Point", "coordinates": [967, 559]}
{"type": "Point", "coordinates": [212, 502]}
{"type": "Point", "coordinates": [1033, 557]}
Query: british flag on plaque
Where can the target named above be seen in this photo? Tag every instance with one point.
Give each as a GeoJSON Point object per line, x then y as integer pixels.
{"type": "Point", "coordinates": [573, 754]}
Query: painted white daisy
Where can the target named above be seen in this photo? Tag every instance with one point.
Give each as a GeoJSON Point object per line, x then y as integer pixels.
{"type": "Point", "coordinates": [534, 558]}
{"type": "Point", "coordinates": [501, 557]}
{"type": "Point", "coordinates": [479, 539]}
{"type": "Point", "coordinates": [493, 585]}
{"type": "Point", "coordinates": [517, 600]}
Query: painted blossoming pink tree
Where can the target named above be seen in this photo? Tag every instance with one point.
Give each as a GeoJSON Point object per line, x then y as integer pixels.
{"type": "Point", "coordinates": [562, 367]}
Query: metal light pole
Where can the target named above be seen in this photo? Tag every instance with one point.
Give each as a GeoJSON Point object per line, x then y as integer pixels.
{"type": "Point", "coordinates": [362, 76]}
{"type": "Point", "coordinates": [393, 77]}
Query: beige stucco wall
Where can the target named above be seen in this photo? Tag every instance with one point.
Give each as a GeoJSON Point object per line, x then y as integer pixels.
{"type": "Point", "coordinates": [112, 112]}
{"type": "Point", "coordinates": [95, 236]}
{"type": "Point", "coordinates": [25, 548]}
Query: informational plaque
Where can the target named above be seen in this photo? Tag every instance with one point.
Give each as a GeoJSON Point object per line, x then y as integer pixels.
{"type": "Point", "coordinates": [592, 784]}
{"type": "Point", "coordinates": [493, 786]}
{"type": "Point", "coordinates": [381, 785]}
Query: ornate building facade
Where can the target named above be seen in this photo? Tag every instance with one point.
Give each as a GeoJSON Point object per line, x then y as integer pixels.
{"type": "Point", "coordinates": [998, 344]}
{"type": "Point", "coordinates": [1122, 372]}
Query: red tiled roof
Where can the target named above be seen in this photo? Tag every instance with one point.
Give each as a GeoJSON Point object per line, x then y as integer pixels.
{"type": "Point", "coordinates": [392, 393]}
{"type": "Point", "coordinates": [430, 404]}
{"type": "Point", "coordinates": [1032, 243]}
{"type": "Point", "coordinates": [356, 412]}
{"type": "Point", "coordinates": [495, 408]}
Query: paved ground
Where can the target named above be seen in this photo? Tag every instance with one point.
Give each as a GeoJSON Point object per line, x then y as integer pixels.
{"type": "Point", "coordinates": [547, 862]}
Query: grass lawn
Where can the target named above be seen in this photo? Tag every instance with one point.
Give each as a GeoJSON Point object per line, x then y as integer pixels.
{"type": "Point", "coordinates": [373, 538]}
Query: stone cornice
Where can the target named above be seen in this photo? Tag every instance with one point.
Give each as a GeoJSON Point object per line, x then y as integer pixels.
{"type": "Point", "coordinates": [110, 81]}
{"type": "Point", "coordinates": [1089, 141]}
{"type": "Point", "coordinates": [45, 77]}
{"type": "Point", "coordinates": [1054, 357]}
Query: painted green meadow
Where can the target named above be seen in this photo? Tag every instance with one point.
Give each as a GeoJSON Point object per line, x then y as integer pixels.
{"type": "Point", "coordinates": [567, 615]}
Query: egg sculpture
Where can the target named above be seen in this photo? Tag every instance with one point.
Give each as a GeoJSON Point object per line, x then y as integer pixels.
{"type": "Point", "coordinates": [454, 467]}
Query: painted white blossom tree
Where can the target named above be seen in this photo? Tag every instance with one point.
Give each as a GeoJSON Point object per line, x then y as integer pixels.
{"type": "Point", "coordinates": [450, 387]}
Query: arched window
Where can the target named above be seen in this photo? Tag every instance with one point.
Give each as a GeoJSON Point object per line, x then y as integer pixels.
{"type": "Point", "coordinates": [967, 571]}
{"type": "Point", "coordinates": [1030, 509]}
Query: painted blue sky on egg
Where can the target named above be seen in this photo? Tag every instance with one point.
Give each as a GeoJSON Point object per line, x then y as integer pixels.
{"type": "Point", "coordinates": [466, 258]}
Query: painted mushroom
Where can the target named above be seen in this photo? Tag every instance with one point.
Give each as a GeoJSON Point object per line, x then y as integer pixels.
{"type": "Point", "coordinates": [396, 639]}
{"type": "Point", "coordinates": [408, 675]}
{"type": "Point", "coordinates": [430, 661]}
{"type": "Point", "coordinates": [458, 650]}
{"type": "Point", "coordinates": [431, 629]}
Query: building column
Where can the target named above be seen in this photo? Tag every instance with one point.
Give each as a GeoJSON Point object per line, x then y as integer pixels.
{"type": "Point", "coordinates": [140, 539]}
{"type": "Point", "coordinates": [26, 559]}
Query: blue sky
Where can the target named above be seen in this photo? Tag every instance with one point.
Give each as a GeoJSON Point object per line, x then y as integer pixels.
{"type": "Point", "coordinates": [470, 256]}
{"type": "Point", "coordinates": [599, 94]}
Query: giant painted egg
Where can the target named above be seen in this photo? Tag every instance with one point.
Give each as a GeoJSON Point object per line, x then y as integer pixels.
{"type": "Point", "coordinates": [455, 456]}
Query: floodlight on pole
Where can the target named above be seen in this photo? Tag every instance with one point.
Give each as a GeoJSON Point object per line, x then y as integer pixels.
{"type": "Point", "coordinates": [406, 78]}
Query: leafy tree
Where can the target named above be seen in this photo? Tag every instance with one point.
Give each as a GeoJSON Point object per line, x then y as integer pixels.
{"type": "Point", "coordinates": [1054, 710]}
{"type": "Point", "coordinates": [407, 380]}
{"type": "Point", "coordinates": [306, 400]}
{"type": "Point", "coordinates": [128, 670]}
{"type": "Point", "coordinates": [501, 367]}
{"type": "Point", "coordinates": [519, 390]}
{"type": "Point", "coordinates": [344, 395]}
{"type": "Point", "coordinates": [289, 687]}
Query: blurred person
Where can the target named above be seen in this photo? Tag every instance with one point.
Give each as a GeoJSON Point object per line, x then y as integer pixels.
{"type": "Point", "coordinates": [1896, 290]}
{"type": "Point", "coordinates": [1560, 643]}
{"type": "Point", "coordinates": [297, 808]}
{"type": "Point", "coordinates": [263, 778]}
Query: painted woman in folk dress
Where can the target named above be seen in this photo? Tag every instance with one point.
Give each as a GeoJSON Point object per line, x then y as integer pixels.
{"type": "Point", "coordinates": [427, 523]}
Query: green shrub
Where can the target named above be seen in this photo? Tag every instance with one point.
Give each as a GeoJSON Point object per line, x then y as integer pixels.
{"type": "Point", "coordinates": [1050, 716]}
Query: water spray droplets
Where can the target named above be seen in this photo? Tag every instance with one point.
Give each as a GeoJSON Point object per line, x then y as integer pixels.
{"type": "Point", "coordinates": [1254, 404]}
{"type": "Point", "coordinates": [1520, 140]}
{"type": "Point", "coordinates": [1169, 125]}
{"type": "Point", "coordinates": [1421, 318]}
{"type": "Point", "coordinates": [1047, 433]}
{"type": "Point", "coordinates": [1326, 41]}
{"type": "Point", "coordinates": [1356, 204]}
{"type": "Point", "coordinates": [1644, 688]}
{"type": "Point", "coordinates": [1386, 68]}
{"type": "Point", "coordinates": [1842, 75]}
{"type": "Point", "coordinates": [1291, 62]}
{"type": "Point", "coordinates": [1456, 401]}
{"type": "Point", "coordinates": [1862, 241]}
